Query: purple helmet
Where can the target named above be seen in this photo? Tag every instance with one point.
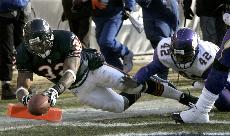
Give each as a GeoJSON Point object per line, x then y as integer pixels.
{"type": "Point", "coordinates": [184, 47]}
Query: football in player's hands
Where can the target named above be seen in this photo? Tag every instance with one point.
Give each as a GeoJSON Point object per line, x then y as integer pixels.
{"type": "Point", "coordinates": [38, 105]}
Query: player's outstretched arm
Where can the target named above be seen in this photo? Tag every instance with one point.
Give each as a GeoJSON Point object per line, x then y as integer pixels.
{"type": "Point", "coordinates": [24, 81]}
{"type": "Point", "coordinates": [70, 68]}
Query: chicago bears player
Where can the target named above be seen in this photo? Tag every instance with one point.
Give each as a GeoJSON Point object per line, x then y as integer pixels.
{"type": "Point", "coordinates": [216, 90]}
{"type": "Point", "coordinates": [185, 54]}
{"type": "Point", "coordinates": [58, 56]}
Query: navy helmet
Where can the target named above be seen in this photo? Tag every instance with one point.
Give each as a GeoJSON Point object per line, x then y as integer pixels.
{"type": "Point", "coordinates": [184, 48]}
{"type": "Point", "coordinates": [38, 37]}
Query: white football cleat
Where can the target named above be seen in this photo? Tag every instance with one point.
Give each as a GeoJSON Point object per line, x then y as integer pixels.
{"type": "Point", "coordinates": [128, 62]}
{"type": "Point", "coordinates": [192, 115]}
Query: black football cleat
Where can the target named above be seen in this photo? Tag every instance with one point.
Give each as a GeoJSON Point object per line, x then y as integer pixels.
{"type": "Point", "coordinates": [7, 92]}
{"type": "Point", "coordinates": [188, 99]}
{"type": "Point", "coordinates": [176, 117]}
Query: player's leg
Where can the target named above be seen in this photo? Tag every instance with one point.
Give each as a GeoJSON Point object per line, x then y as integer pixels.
{"type": "Point", "coordinates": [96, 92]}
{"type": "Point", "coordinates": [223, 101]}
{"type": "Point", "coordinates": [111, 77]}
{"type": "Point", "coordinates": [102, 98]}
{"type": "Point", "coordinates": [213, 86]}
{"type": "Point", "coordinates": [160, 87]}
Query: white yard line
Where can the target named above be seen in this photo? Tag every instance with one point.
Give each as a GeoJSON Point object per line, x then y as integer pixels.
{"type": "Point", "coordinates": [92, 124]}
{"type": "Point", "coordinates": [83, 116]}
{"type": "Point", "coordinates": [169, 134]}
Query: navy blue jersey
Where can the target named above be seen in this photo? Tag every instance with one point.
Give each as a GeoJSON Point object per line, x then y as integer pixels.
{"type": "Point", "coordinates": [51, 67]}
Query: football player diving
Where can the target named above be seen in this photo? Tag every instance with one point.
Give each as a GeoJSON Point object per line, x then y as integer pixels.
{"type": "Point", "coordinates": [59, 56]}
{"type": "Point", "coordinates": [186, 54]}
{"type": "Point", "coordinates": [217, 87]}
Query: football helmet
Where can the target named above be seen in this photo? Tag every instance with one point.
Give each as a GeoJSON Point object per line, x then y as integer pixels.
{"type": "Point", "coordinates": [184, 47]}
{"type": "Point", "coordinates": [38, 37]}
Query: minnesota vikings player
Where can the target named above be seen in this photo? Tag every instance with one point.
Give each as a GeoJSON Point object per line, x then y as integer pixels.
{"type": "Point", "coordinates": [185, 54]}
{"type": "Point", "coordinates": [58, 56]}
{"type": "Point", "coordinates": [216, 87]}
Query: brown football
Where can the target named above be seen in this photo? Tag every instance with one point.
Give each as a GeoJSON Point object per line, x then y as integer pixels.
{"type": "Point", "coordinates": [38, 105]}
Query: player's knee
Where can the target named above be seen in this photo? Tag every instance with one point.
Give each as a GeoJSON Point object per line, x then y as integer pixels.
{"type": "Point", "coordinates": [113, 106]}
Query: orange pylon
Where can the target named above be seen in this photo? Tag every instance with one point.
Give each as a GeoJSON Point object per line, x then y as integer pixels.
{"type": "Point", "coordinates": [20, 111]}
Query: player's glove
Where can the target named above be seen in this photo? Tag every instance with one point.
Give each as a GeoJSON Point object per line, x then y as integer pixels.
{"type": "Point", "coordinates": [53, 95]}
{"type": "Point", "coordinates": [188, 13]}
{"type": "Point", "coordinates": [26, 98]}
{"type": "Point", "coordinates": [129, 82]}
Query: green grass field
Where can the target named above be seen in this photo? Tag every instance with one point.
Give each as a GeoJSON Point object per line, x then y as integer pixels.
{"type": "Point", "coordinates": [149, 116]}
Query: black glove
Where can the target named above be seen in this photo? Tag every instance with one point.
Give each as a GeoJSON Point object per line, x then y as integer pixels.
{"type": "Point", "coordinates": [53, 95]}
{"type": "Point", "coordinates": [125, 15]}
{"type": "Point", "coordinates": [188, 13]}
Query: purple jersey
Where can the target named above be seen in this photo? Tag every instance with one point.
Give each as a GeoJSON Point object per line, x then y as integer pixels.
{"type": "Point", "coordinates": [224, 53]}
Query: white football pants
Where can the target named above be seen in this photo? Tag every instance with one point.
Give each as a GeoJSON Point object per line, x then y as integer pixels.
{"type": "Point", "coordinates": [96, 90]}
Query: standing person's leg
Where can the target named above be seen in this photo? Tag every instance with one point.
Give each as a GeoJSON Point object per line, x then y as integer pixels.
{"type": "Point", "coordinates": [82, 28]}
{"type": "Point", "coordinates": [105, 36]}
{"type": "Point", "coordinates": [6, 52]}
{"type": "Point", "coordinates": [156, 30]}
{"type": "Point", "coordinates": [18, 28]}
{"type": "Point", "coordinates": [96, 90]}
{"type": "Point", "coordinates": [207, 25]}
{"type": "Point", "coordinates": [221, 29]}
{"type": "Point", "coordinates": [106, 32]}
{"type": "Point", "coordinates": [79, 18]}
